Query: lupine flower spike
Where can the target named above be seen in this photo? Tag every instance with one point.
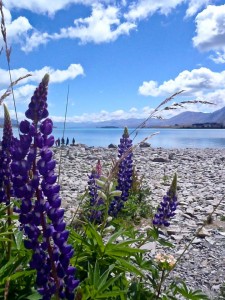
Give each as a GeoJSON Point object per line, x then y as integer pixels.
{"type": "Point", "coordinates": [41, 217]}
{"type": "Point", "coordinates": [5, 159]}
{"type": "Point", "coordinates": [167, 207]}
{"type": "Point", "coordinates": [95, 201]}
{"type": "Point", "coordinates": [125, 173]}
{"type": "Point", "coordinates": [99, 168]}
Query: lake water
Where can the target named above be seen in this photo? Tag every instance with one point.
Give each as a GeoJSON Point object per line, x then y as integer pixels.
{"type": "Point", "coordinates": [167, 138]}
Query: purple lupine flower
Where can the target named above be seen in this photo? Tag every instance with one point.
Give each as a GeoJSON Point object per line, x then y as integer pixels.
{"type": "Point", "coordinates": [95, 201]}
{"type": "Point", "coordinates": [125, 173]}
{"type": "Point", "coordinates": [42, 218]}
{"type": "Point", "coordinates": [5, 159]}
{"type": "Point", "coordinates": [167, 207]}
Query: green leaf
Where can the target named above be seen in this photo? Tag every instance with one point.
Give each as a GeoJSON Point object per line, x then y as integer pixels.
{"type": "Point", "coordinates": [34, 296]}
{"type": "Point", "coordinates": [10, 267]}
{"type": "Point", "coordinates": [21, 274]}
{"type": "Point", "coordinates": [108, 283]}
{"type": "Point", "coordinates": [100, 183]}
{"type": "Point", "coordinates": [128, 267]}
{"type": "Point", "coordinates": [90, 274]}
{"type": "Point", "coordinates": [128, 242]}
{"type": "Point", "coordinates": [19, 239]}
{"type": "Point", "coordinates": [96, 275]}
{"type": "Point", "coordinates": [165, 243]}
{"type": "Point", "coordinates": [107, 295]}
{"type": "Point", "coordinates": [97, 237]}
{"type": "Point", "coordinates": [114, 236]}
{"type": "Point", "coordinates": [122, 251]}
{"type": "Point", "coordinates": [115, 193]}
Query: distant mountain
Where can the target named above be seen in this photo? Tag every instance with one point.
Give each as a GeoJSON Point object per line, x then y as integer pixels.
{"type": "Point", "coordinates": [186, 118]}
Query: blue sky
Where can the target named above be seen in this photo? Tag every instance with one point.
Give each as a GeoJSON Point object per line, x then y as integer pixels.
{"type": "Point", "coordinates": [120, 59]}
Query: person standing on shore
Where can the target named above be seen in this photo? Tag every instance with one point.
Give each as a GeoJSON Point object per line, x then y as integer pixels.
{"type": "Point", "coordinates": [67, 141]}
{"type": "Point", "coordinates": [62, 141]}
{"type": "Point", "coordinates": [73, 141]}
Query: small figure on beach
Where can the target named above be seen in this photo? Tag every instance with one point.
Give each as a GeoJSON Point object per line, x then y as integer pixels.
{"type": "Point", "coordinates": [59, 142]}
{"type": "Point", "coordinates": [67, 141]}
{"type": "Point", "coordinates": [73, 141]}
{"type": "Point", "coordinates": [63, 141]}
{"type": "Point", "coordinates": [56, 143]}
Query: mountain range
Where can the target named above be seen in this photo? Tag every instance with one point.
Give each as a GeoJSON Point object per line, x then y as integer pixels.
{"type": "Point", "coordinates": [186, 118]}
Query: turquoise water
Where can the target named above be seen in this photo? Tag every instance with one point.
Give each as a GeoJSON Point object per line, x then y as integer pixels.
{"type": "Point", "coordinates": [166, 138]}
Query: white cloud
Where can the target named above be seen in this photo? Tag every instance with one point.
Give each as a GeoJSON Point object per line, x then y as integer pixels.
{"type": "Point", "coordinates": [24, 90]}
{"type": "Point", "coordinates": [36, 39]}
{"type": "Point", "coordinates": [103, 25]}
{"type": "Point", "coordinates": [47, 7]}
{"type": "Point", "coordinates": [104, 115]}
{"type": "Point", "coordinates": [195, 5]}
{"type": "Point", "coordinates": [56, 76]}
{"type": "Point", "coordinates": [17, 29]}
{"type": "Point", "coordinates": [192, 82]}
{"type": "Point", "coordinates": [199, 84]}
{"type": "Point", "coordinates": [108, 20]}
{"type": "Point", "coordinates": [210, 31]}
{"type": "Point", "coordinates": [218, 57]}
{"type": "Point", "coordinates": [144, 8]}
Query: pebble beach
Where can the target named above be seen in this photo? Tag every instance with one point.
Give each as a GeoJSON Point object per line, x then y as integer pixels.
{"type": "Point", "coordinates": [201, 186]}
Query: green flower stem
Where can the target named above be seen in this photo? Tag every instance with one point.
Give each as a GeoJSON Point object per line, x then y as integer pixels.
{"type": "Point", "coordinates": [160, 284]}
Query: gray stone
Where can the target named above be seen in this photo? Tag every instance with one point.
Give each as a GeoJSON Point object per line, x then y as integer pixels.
{"type": "Point", "coordinates": [159, 159]}
{"type": "Point", "coordinates": [112, 146]}
{"type": "Point", "coordinates": [144, 145]}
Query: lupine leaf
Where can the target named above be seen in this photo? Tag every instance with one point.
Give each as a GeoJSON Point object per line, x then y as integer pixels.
{"type": "Point", "coordinates": [22, 274]}
{"type": "Point", "coordinates": [127, 266]}
{"type": "Point", "coordinates": [115, 250]}
{"type": "Point", "coordinates": [114, 236]}
{"type": "Point", "coordinates": [96, 275]}
{"type": "Point", "coordinates": [10, 267]}
{"type": "Point", "coordinates": [108, 283]}
{"type": "Point", "coordinates": [107, 295]}
{"type": "Point", "coordinates": [19, 239]}
{"type": "Point", "coordinates": [97, 237]}
{"type": "Point", "coordinates": [103, 285]}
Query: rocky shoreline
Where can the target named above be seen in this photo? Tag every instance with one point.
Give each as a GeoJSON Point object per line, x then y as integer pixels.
{"type": "Point", "coordinates": [201, 186]}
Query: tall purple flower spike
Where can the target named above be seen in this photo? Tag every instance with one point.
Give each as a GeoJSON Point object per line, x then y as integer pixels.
{"type": "Point", "coordinates": [34, 182]}
{"type": "Point", "coordinates": [167, 207]}
{"type": "Point", "coordinates": [125, 173]}
{"type": "Point", "coordinates": [5, 159]}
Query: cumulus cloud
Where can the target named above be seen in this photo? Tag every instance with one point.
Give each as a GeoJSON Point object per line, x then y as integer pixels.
{"type": "Point", "coordinates": [56, 75]}
{"type": "Point", "coordinates": [17, 30]}
{"type": "Point", "coordinates": [210, 31]}
{"type": "Point", "coordinates": [36, 39]}
{"type": "Point", "coordinates": [144, 8]}
{"type": "Point", "coordinates": [103, 25]}
{"type": "Point", "coordinates": [195, 5]}
{"type": "Point", "coordinates": [109, 19]}
{"type": "Point", "coordinates": [46, 7]}
{"type": "Point", "coordinates": [200, 84]}
{"type": "Point", "coordinates": [192, 82]}
{"type": "Point", "coordinates": [25, 89]}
